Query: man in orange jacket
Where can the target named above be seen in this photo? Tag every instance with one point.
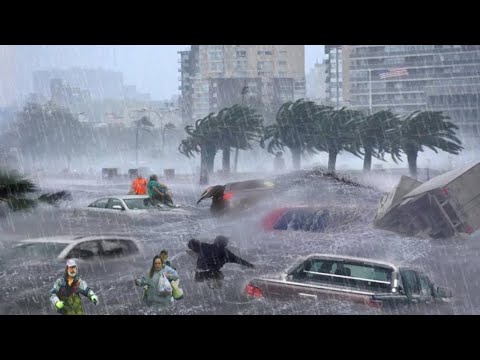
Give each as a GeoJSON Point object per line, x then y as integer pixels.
{"type": "Point", "coordinates": [139, 186]}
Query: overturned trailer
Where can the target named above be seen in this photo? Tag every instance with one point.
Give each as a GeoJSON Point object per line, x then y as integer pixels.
{"type": "Point", "coordinates": [444, 206]}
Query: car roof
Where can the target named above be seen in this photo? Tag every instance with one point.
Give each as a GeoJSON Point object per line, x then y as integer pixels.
{"type": "Point", "coordinates": [133, 196]}
{"type": "Point", "coordinates": [353, 258]}
{"type": "Point", "coordinates": [70, 239]}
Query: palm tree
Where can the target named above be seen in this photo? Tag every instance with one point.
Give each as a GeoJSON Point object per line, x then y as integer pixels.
{"type": "Point", "coordinates": [426, 128]}
{"type": "Point", "coordinates": [15, 191]}
{"type": "Point", "coordinates": [292, 129]}
{"type": "Point", "coordinates": [335, 131]}
{"type": "Point", "coordinates": [373, 136]}
{"type": "Point", "coordinates": [203, 139]}
{"type": "Point", "coordinates": [237, 127]}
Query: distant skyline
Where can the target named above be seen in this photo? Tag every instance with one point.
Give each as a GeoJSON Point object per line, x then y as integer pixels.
{"type": "Point", "coordinates": [151, 68]}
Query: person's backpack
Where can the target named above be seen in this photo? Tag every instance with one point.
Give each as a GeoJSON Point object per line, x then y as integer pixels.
{"type": "Point", "coordinates": [164, 287]}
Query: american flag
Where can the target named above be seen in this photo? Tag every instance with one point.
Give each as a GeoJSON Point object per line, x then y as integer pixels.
{"type": "Point", "coordinates": [394, 73]}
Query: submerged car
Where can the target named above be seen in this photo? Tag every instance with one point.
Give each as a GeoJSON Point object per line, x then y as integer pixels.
{"type": "Point", "coordinates": [125, 204]}
{"type": "Point", "coordinates": [236, 195]}
{"type": "Point", "coordinates": [307, 218]}
{"type": "Point", "coordinates": [78, 247]}
{"type": "Point", "coordinates": [370, 282]}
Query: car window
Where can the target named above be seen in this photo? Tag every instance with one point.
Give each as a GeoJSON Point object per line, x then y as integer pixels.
{"type": "Point", "coordinates": [115, 247]}
{"type": "Point", "coordinates": [112, 202]}
{"type": "Point", "coordinates": [102, 203]}
{"type": "Point", "coordinates": [426, 286]}
{"type": "Point", "coordinates": [85, 250]}
{"type": "Point", "coordinates": [139, 204]}
{"type": "Point", "coordinates": [344, 273]}
{"type": "Point", "coordinates": [411, 283]}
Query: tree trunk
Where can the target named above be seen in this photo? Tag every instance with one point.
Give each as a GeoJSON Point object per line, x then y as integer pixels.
{"type": "Point", "coordinates": [412, 163]}
{"type": "Point", "coordinates": [367, 160]}
{"type": "Point", "coordinates": [296, 158]}
{"type": "Point", "coordinates": [203, 167]}
{"type": "Point", "coordinates": [236, 161]}
{"type": "Point", "coordinates": [226, 161]}
{"type": "Point", "coordinates": [210, 152]}
{"type": "Point", "coordinates": [332, 160]}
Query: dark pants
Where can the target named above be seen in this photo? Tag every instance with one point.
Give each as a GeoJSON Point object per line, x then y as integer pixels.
{"type": "Point", "coordinates": [203, 275]}
{"type": "Point", "coordinates": [164, 198]}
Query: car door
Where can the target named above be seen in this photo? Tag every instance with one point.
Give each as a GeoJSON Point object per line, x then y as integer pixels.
{"type": "Point", "coordinates": [417, 286]}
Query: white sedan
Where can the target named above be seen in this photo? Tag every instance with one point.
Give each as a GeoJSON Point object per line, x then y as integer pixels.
{"type": "Point", "coordinates": [125, 204]}
{"type": "Point", "coordinates": [86, 247]}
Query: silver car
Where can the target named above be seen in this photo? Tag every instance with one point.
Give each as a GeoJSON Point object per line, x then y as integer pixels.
{"type": "Point", "coordinates": [366, 281]}
{"type": "Point", "coordinates": [124, 205]}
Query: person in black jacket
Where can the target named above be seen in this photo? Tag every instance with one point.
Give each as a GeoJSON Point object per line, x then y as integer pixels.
{"type": "Point", "coordinates": [211, 258]}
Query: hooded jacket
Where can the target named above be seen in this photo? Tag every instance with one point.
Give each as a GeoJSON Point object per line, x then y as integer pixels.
{"type": "Point", "coordinates": [213, 256]}
{"type": "Point", "coordinates": [70, 294]}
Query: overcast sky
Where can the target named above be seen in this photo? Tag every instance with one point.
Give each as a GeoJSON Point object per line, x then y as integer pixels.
{"type": "Point", "coordinates": [152, 68]}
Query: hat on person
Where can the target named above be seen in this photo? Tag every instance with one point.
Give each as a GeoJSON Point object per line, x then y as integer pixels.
{"type": "Point", "coordinates": [71, 262]}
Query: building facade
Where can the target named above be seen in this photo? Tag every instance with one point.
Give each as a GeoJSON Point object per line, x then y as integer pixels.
{"type": "Point", "coordinates": [406, 78]}
{"type": "Point", "coordinates": [217, 76]}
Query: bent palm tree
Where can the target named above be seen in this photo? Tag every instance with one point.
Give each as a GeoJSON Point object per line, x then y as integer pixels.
{"type": "Point", "coordinates": [426, 128]}
{"type": "Point", "coordinates": [15, 191]}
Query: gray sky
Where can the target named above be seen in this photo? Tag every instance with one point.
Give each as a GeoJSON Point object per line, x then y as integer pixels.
{"type": "Point", "coordinates": [152, 68]}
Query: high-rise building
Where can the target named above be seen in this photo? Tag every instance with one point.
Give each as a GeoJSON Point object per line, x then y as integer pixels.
{"type": "Point", "coordinates": [406, 78]}
{"type": "Point", "coordinates": [337, 69]}
{"type": "Point", "coordinates": [217, 76]}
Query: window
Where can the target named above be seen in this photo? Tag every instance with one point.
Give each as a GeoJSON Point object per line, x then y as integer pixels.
{"type": "Point", "coordinates": [283, 52]}
{"type": "Point", "coordinates": [85, 250]}
{"type": "Point", "coordinates": [138, 204]}
{"type": "Point", "coordinates": [411, 284]}
{"type": "Point", "coordinates": [114, 202]}
{"type": "Point", "coordinates": [118, 247]}
{"type": "Point", "coordinates": [101, 204]}
{"type": "Point", "coordinates": [268, 52]}
{"type": "Point", "coordinates": [357, 275]}
{"type": "Point", "coordinates": [426, 286]}
{"type": "Point", "coordinates": [241, 53]}
{"type": "Point", "coordinates": [282, 62]}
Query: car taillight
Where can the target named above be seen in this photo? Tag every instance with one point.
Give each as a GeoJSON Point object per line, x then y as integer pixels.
{"type": "Point", "coordinates": [374, 303]}
{"type": "Point", "coordinates": [254, 291]}
{"type": "Point", "coordinates": [469, 230]}
{"type": "Point", "coordinates": [227, 196]}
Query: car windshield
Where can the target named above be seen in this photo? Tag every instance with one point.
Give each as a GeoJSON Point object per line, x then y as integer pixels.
{"type": "Point", "coordinates": [39, 250]}
{"type": "Point", "coordinates": [139, 204]}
